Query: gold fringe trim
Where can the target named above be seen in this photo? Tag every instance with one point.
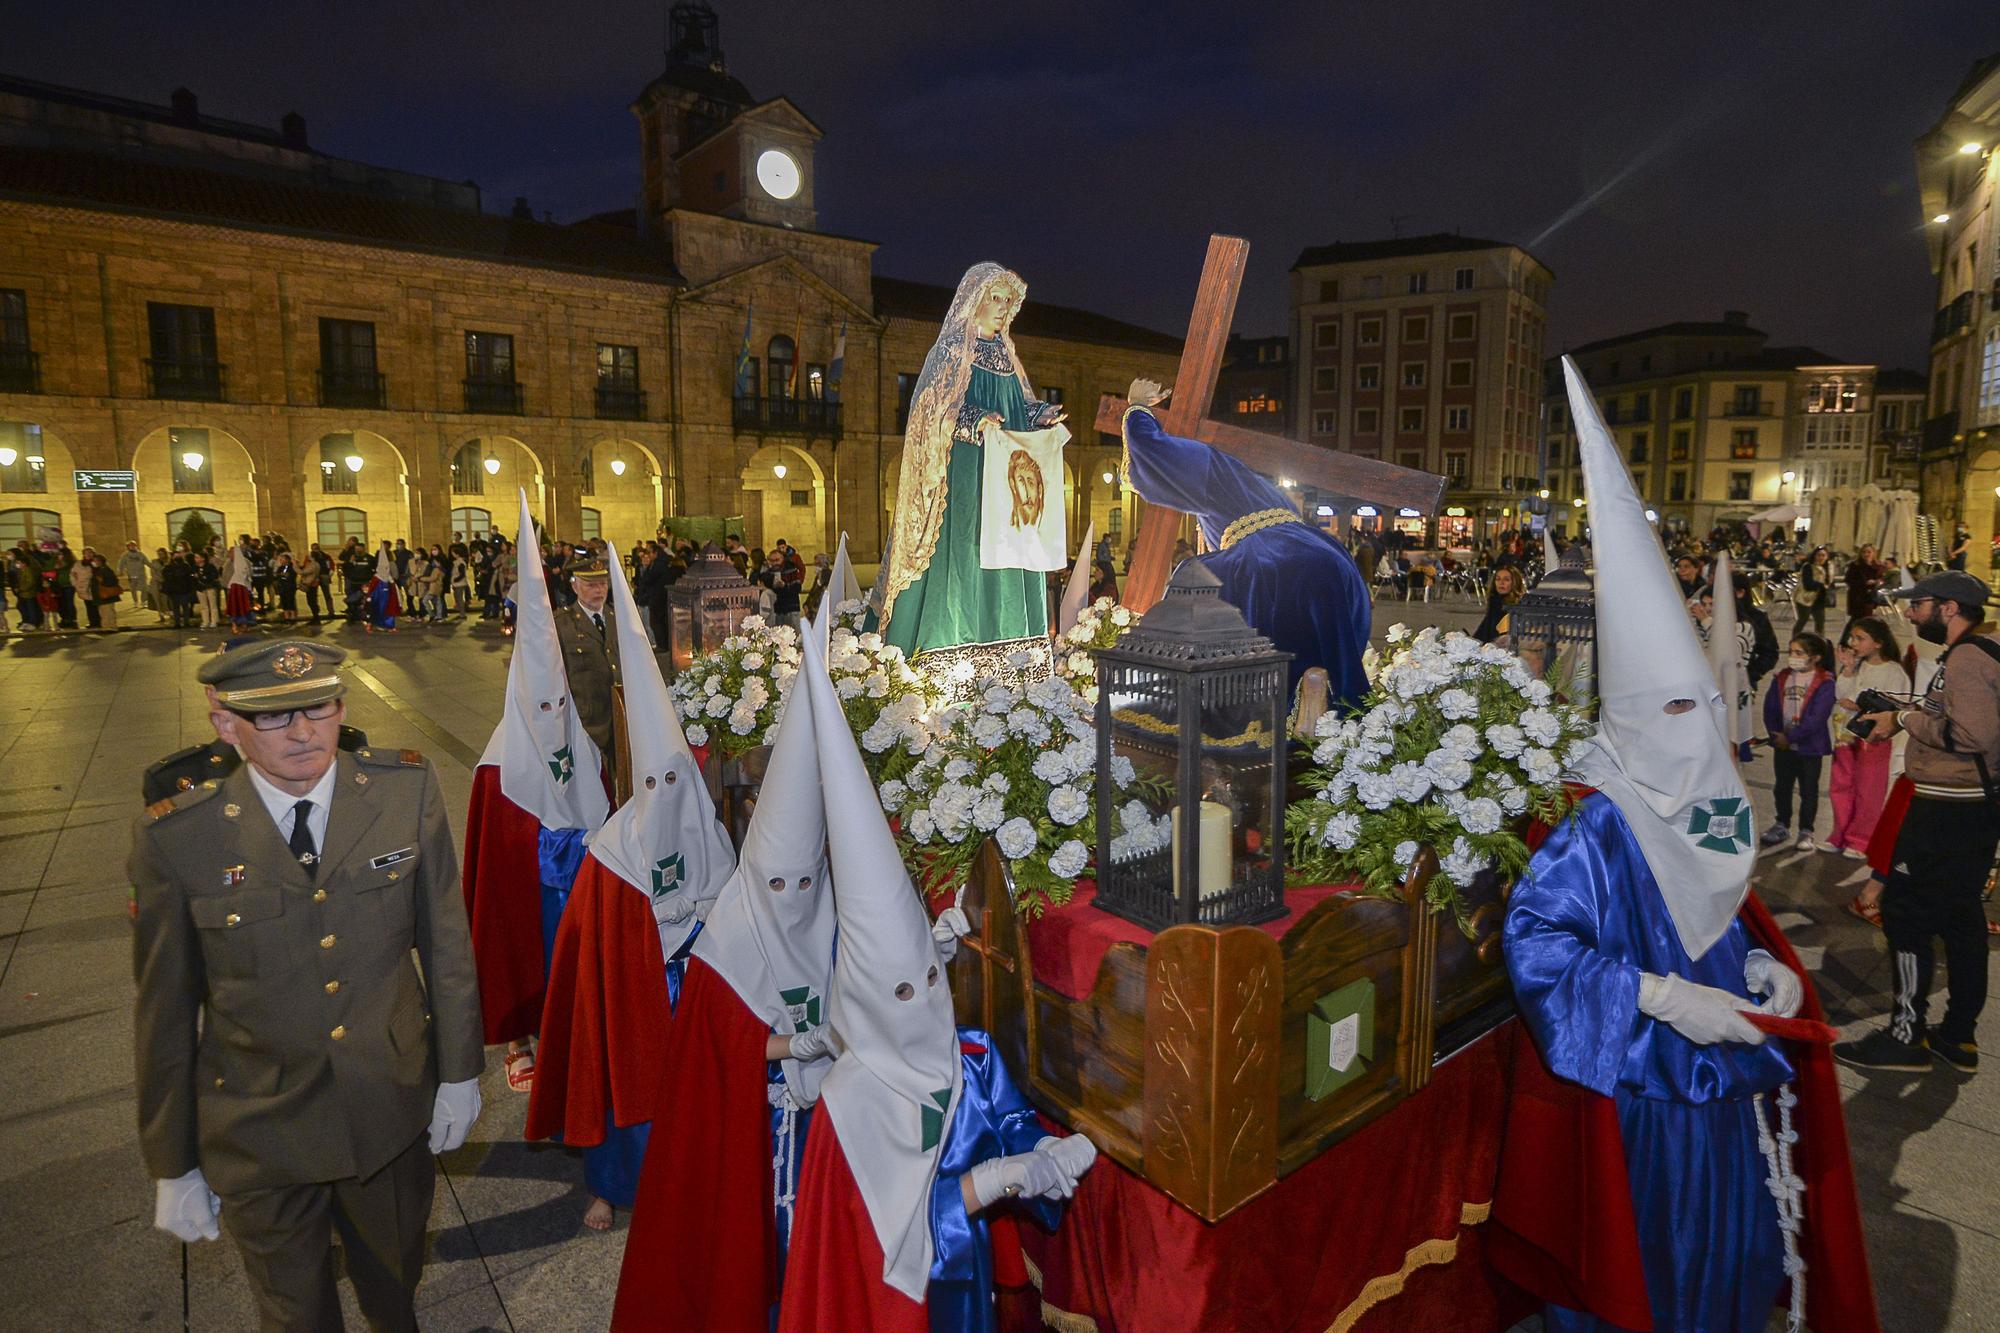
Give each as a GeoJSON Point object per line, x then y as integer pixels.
{"type": "Point", "coordinates": [1373, 1294]}
{"type": "Point", "coordinates": [1421, 1255]}
{"type": "Point", "coordinates": [1256, 522]}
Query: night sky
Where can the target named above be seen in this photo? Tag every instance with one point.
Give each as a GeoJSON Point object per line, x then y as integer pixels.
{"type": "Point", "coordinates": [1666, 161]}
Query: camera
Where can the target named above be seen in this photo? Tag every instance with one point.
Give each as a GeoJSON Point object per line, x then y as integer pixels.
{"type": "Point", "coordinates": [1875, 701]}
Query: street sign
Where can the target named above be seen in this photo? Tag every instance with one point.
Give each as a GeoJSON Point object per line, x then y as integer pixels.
{"type": "Point", "coordinates": [100, 479]}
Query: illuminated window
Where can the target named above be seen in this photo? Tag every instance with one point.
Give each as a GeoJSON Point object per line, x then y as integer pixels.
{"type": "Point", "coordinates": [1743, 442]}
{"type": "Point", "coordinates": [1679, 447]}
{"type": "Point", "coordinates": [1739, 485]}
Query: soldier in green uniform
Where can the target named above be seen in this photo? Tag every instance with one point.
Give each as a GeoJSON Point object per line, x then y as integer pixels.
{"type": "Point", "coordinates": [590, 652]}
{"type": "Point", "coordinates": [296, 1070]}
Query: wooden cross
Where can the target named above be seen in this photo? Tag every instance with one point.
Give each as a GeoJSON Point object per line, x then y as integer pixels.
{"type": "Point", "coordinates": [1186, 415]}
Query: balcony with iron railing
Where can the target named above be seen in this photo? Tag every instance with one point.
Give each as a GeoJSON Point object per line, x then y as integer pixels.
{"type": "Point", "coordinates": [340, 387]}
{"type": "Point", "coordinates": [1743, 407]}
{"type": "Point", "coordinates": [191, 381]}
{"type": "Point", "coordinates": [788, 416]}
{"type": "Point", "coordinates": [20, 370]}
{"type": "Point", "coordinates": [621, 402]}
{"type": "Point", "coordinates": [494, 397]}
{"type": "Point", "coordinates": [1954, 318]}
{"type": "Point", "coordinates": [1940, 435]}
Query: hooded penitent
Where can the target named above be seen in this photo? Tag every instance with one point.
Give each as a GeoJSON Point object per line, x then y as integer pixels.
{"type": "Point", "coordinates": [1551, 557]}
{"type": "Point", "coordinates": [1660, 753]}
{"type": "Point", "coordinates": [665, 840]}
{"type": "Point", "coordinates": [548, 763]}
{"type": "Point", "coordinates": [842, 585]}
{"type": "Point", "coordinates": [385, 564]}
{"type": "Point", "coordinates": [893, 1090]}
{"type": "Point", "coordinates": [770, 933]}
{"type": "Point", "coordinates": [1725, 653]}
{"type": "Point", "coordinates": [1076, 593]}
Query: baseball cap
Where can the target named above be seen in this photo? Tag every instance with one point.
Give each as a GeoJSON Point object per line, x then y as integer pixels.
{"type": "Point", "coordinates": [1951, 585]}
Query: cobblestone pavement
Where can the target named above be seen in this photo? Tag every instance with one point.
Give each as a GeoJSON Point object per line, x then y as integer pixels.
{"type": "Point", "coordinates": [80, 716]}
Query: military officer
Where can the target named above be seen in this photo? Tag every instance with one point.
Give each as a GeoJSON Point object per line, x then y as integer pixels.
{"type": "Point", "coordinates": [296, 1070]}
{"type": "Point", "coordinates": [590, 651]}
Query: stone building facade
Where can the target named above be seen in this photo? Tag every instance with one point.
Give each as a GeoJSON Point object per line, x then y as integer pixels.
{"type": "Point", "coordinates": [287, 341]}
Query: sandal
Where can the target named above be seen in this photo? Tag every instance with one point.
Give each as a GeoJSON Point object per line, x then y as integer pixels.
{"type": "Point", "coordinates": [1992, 926]}
{"type": "Point", "coordinates": [1866, 911]}
{"type": "Point", "coordinates": [521, 1070]}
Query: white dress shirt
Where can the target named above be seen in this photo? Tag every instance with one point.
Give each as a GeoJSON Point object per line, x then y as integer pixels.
{"type": "Point", "coordinates": [282, 804]}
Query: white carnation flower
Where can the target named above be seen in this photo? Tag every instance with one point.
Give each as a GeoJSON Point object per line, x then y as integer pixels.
{"type": "Point", "coordinates": [1080, 664]}
{"type": "Point", "coordinates": [848, 687]}
{"type": "Point", "coordinates": [1067, 805]}
{"type": "Point", "coordinates": [996, 783]}
{"type": "Point", "coordinates": [1377, 791]}
{"type": "Point", "coordinates": [712, 685]}
{"type": "Point", "coordinates": [1016, 838]}
{"type": "Point", "coordinates": [1412, 781]}
{"type": "Point", "coordinates": [1068, 860]}
{"type": "Point", "coordinates": [753, 661]}
{"type": "Point", "coordinates": [1341, 831]}
{"type": "Point", "coordinates": [879, 737]}
{"type": "Point", "coordinates": [1406, 855]}
{"type": "Point", "coordinates": [742, 720]}
{"type": "Point", "coordinates": [1538, 693]}
{"type": "Point", "coordinates": [1078, 633]}
{"type": "Point", "coordinates": [1122, 772]}
{"type": "Point", "coordinates": [957, 767]}
{"type": "Point", "coordinates": [1462, 740]}
{"type": "Point", "coordinates": [1506, 739]}
{"type": "Point", "coordinates": [1542, 767]}
{"type": "Point", "coordinates": [718, 705]}
{"type": "Point", "coordinates": [697, 734]}
{"type": "Point", "coordinates": [988, 731]}
{"type": "Point", "coordinates": [1482, 815]}
{"type": "Point", "coordinates": [1397, 633]}
{"type": "Point", "coordinates": [1449, 769]}
{"type": "Point", "coordinates": [988, 813]}
{"type": "Point", "coordinates": [1463, 863]}
{"type": "Point", "coordinates": [1456, 703]}
{"type": "Point", "coordinates": [1052, 766]}
{"type": "Point", "coordinates": [1121, 615]}
{"type": "Point", "coordinates": [921, 826]}
{"type": "Point", "coordinates": [1541, 726]}
{"type": "Point", "coordinates": [893, 792]}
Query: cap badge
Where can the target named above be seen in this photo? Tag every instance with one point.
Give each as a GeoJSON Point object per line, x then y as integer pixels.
{"type": "Point", "coordinates": [293, 662]}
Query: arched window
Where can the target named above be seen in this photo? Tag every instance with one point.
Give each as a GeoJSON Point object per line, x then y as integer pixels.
{"type": "Point", "coordinates": [468, 473]}
{"type": "Point", "coordinates": [593, 525]}
{"type": "Point", "coordinates": [177, 518]}
{"type": "Point", "coordinates": [335, 526]}
{"type": "Point", "coordinates": [783, 356]}
{"type": "Point", "coordinates": [16, 524]}
{"type": "Point", "coordinates": [335, 476]}
{"type": "Point", "coordinates": [22, 467]}
{"type": "Point", "coordinates": [469, 523]}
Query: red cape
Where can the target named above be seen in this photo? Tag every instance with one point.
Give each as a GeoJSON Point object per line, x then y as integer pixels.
{"type": "Point", "coordinates": [703, 1249]}
{"type": "Point", "coordinates": [1562, 1223]}
{"type": "Point", "coordinates": [503, 904]}
{"type": "Point", "coordinates": [605, 1019]}
{"type": "Point", "coordinates": [833, 1272]}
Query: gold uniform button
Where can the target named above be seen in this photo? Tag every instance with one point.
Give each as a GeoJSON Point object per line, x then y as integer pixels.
{"type": "Point", "coordinates": [326, 941]}
{"type": "Point", "coordinates": [218, 1082]}
{"type": "Point", "coordinates": [338, 1032]}
{"type": "Point", "coordinates": [231, 810]}
{"type": "Point", "coordinates": [319, 895]}
{"type": "Point", "coordinates": [332, 987]}
{"type": "Point", "coordinates": [360, 779]}
{"type": "Point", "coordinates": [232, 920]}
{"type": "Point", "coordinates": [395, 874]}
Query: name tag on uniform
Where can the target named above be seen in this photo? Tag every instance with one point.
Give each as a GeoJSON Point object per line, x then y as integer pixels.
{"type": "Point", "coordinates": [396, 857]}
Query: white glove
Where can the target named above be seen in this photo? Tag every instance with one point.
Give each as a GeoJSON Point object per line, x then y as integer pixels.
{"type": "Point", "coordinates": [1073, 1156]}
{"type": "Point", "coordinates": [457, 1106]}
{"type": "Point", "coordinates": [945, 931]}
{"type": "Point", "coordinates": [1766, 976]}
{"type": "Point", "coordinates": [1704, 1015]}
{"type": "Point", "coordinates": [813, 1044]}
{"type": "Point", "coordinates": [186, 1207]}
{"type": "Point", "coordinates": [1034, 1174]}
{"type": "Point", "coordinates": [676, 908]}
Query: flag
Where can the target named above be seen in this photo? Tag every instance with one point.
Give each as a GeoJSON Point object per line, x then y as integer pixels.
{"type": "Point", "coordinates": [798, 353]}
{"type": "Point", "coordinates": [746, 368]}
{"type": "Point", "coordinates": [839, 364]}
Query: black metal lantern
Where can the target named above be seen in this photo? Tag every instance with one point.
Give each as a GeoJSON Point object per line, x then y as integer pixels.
{"type": "Point", "coordinates": [1195, 699]}
{"type": "Point", "coordinates": [1553, 629]}
{"type": "Point", "coordinates": [705, 606]}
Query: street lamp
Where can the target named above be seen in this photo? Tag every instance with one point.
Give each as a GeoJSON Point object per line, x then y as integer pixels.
{"type": "Point", "coordinates": [617, 467]}
{"type": "Point", "coordinates": [1970, 148]}
{"type": "Point", "coordinates": [1545, 492]}
{"type": "Point", "coordinates": [192, 460]}
{"type": "Point", "coordinates": [492, 466]}
{"type": "Point", "coordinates": [778, 471]}
{"type": "Point", "coordinates": [353, 462]}
{"type": "Point", "coordinates": [1577, 502]}
{"type": "Point", "coordinates": [1941, 218]}
{"type": "Point", "coordinates": [1109, 476]}
{"type": "Point", "coordinates": [7, 456]}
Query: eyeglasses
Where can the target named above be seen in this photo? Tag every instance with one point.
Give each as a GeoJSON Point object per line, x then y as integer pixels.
{"type": "Point", "coordinates": [318, 712]}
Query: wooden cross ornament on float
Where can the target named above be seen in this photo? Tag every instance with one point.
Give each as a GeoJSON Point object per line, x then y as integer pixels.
{"type": "Point", "coordinates": [1185, 415]}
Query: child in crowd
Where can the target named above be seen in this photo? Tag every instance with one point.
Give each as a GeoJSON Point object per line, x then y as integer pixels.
{"type": "Point", "coordinates": [1868, 661]}
{"type": "Point", "coordinates": [1796, 712]}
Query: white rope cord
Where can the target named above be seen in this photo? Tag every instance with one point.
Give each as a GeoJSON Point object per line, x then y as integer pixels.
{"type": "Point", "coordinates": [1788, 1192]}
{"type": "Point", "coordinates": [784, 1181]}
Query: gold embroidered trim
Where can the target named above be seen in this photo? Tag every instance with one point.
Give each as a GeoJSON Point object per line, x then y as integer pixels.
{"type": "Point", "coordinates": [1421, 1255]}
{"type": "Point", "coordinates": [1256, 522]}
{"type": "Point", "coordinates": [1061, 1320]}
{"type": "Point", "coordinates": [284, 691]}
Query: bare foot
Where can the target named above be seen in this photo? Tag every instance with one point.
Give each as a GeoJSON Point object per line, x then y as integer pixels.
{"type": "Point", "coordinates": [598, 1216]}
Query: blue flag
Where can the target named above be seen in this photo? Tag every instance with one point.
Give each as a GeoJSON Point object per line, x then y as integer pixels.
{"type": "Point", "coordinates": [746, 368]}
{"type": "Point", "coordinates": [839, 363]}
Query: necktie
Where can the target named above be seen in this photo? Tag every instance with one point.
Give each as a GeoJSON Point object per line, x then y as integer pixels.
{"type": "Point", "coordinates": [302, 837]}
{"type": "Point", "coordinates": [597, 620]}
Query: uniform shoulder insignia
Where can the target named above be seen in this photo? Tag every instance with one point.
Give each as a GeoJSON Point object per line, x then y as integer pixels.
{"type": "Point", "coordinates": [192, 796]}
{"type": "Point", "coordinates": [159, 808]}
{"type": "Point", "coordinates": [414, 758]}
{"type": "Point", "coordinates": [380, 757]}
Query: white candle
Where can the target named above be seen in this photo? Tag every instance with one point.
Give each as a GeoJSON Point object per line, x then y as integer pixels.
{"type": "Point", "coordinates": [1213, 874]}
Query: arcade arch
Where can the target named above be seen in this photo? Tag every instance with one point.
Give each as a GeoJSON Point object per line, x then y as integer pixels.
{"type": "Point", "coordinates": [192, 467]}
{"type": "Point", "coordinates": [37, 474]}
{"type": "Point", "coordinates": [494, 468]}
{"type": "Point", "coordinates": [1982, 508]}
{"type": "Point", "coordinates": [358, 472]}
{"type": "Point", "coordinates": [622, 482]}
{"type": "Point", "coordinates": [791, 498]}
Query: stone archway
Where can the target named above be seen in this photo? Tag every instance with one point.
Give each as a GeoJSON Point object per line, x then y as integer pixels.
{"type": "Point", "coordinates": [791, 492]}
{"type": "Point", "coordinates": [626, 485]}
{"type": "Point", "coordinates": [192, 466]}
{"type": "Point", "coordinates": [486, 471]}
{"type": "Point", "coordinates": [37, 472]}
{"type": "Point", "coordinates": [357, 470]}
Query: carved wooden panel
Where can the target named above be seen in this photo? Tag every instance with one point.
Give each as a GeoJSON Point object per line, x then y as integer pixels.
{"type": "Point", "coordinates": [1213, 1001]}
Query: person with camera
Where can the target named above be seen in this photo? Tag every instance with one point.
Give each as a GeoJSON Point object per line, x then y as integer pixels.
{"type": "Point", "coordinates": [1945, 847]}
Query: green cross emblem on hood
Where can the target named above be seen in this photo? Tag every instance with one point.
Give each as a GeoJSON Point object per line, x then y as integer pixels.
{"type": "Point", "coordinates": [1721, 825]}
{"type": "Point", "coordinates": [668, 872]}
{"type": "Point", "coordinates": [934, 1118]}
{"type": "Point", "coordinates": [801, 1006]}
{"type": "Point", "coordinates": [562, 766]}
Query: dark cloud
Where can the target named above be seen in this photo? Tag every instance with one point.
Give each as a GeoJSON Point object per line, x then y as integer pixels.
{"type": "Point", "coordinates": [1667, 162]}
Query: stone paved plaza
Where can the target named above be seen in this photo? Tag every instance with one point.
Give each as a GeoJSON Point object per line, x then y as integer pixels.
{"type": "Point", "coordinates": [81, 716]}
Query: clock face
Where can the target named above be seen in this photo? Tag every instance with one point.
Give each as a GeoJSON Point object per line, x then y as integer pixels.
{"type": "Point", "coordinates": [778, 173]}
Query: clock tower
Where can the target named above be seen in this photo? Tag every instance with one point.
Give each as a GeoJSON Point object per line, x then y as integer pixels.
{"type": "Point", "coordinates": [709, 147]}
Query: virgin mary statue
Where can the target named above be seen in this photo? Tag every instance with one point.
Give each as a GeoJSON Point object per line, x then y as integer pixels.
{"type": "Point", "coordinates": [935, 594]}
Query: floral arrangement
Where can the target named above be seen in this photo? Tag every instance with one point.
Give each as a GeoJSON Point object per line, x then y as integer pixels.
{"type": "Point", "coordinates": [888, 702]}
{"type": "Point", "coordinates": [1098, 625]}
{"type": "Point", "coordinates": [1453, 747]}
{"type": "Point", "coordinates": [731, 697]}
{"type": "Point", "coordinates": [1018, 764]}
